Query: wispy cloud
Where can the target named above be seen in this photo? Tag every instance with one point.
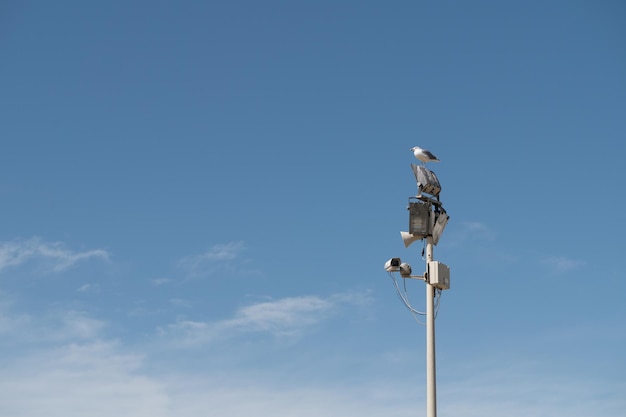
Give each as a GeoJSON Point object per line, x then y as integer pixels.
{"type": "Point", "coordinates": [524, 388]}
{"type": "Point", "coordinates": [87, 375]}
{"type": "Point", "coordinates": [160, 281]}
{"type": "Point", "coordinates": [11, 323]}
{"type": "Point", "coordinates": [180, 302]}
{"type": "Point", "coordinates": [286, 317]}
{"type": "Point", "coordinates": [471, 230]}
{"type": "Point", "coordinates": [92, 379]}
{"type": "Point", "coordinates": [54, 254]}
{"type": "Point", "coordinates": [89, 288]}
{"type": "Point", "coordinates": [562, 264]}
{"type": "Point", "coordinates": [101, 379]}
{"type": "Point", "coordinates": [76, 325]}
{"type": "Point", "coordinates": [53, 327]}
{"type": "Point", "coordinates": [282, 315]}
{"type": "Point", "coordinates": [215, 258]}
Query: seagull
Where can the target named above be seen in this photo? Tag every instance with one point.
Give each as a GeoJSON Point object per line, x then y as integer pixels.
{"type": "Point", "coordinates": [424, 155]}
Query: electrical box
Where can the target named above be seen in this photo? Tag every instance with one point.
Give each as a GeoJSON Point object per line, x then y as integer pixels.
{"type": "Point", "coordinates": [439, 275]}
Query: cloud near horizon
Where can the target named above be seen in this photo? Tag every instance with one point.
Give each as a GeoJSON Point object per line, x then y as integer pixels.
{"type": "Point", "coordinates": [104, 378]}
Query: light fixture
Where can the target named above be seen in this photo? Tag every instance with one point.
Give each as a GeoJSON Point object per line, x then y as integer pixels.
{"type": "Point", "coordinates": [427, 181]}
{"type": "Point", "coordinates": [419, 219]}
{"type": "Point", "coordinates": [440, 224]}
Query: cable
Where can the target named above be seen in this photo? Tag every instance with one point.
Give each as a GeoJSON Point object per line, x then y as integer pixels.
{"type": "Point", "coordinates": [405, 301]}
{"type": "Point", "coordinates": [438, 293]}
{"type": "Point", "coordinates": [413, 310]}
{"type": "Point", "coordinates": [402, 297]}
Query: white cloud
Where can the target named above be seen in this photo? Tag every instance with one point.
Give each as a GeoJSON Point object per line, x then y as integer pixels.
{"type": "Point", "coordinates": [52, 327]}
{"type": "Point", "coordinates": [471, 230]}
{"type": "Point", "coordinates": [160, 281]}
{"type": "Point", "coordinates": [180, 302]}
{"type": "Point", "coordinates": [561, 264]}
{"type": "Point", "coordinates": [86, 375]}
{"type": "Point", "coordinates": [100, 379]}
{"type": "Point", "coordinates": [244, 395]}
{"type": "Point", "coordinates": [75, 325]}
{"type": "Point", "coordinates": [402, 396]}
{"type": "Point", "coordinates": [56, 256]}
{"type": "Point", "coordinates": [224, 252]}
{"type": "Point", "coordinates": [524, 389]}
{"type": "Point", "coordinates": [11, 323]}
{"type": "Point", "coordinates": [89, 288]}
{"type": "Point", "coordinates": [286, 317]}
{"type": "Point", "coordinates": [281, 315]}
{"type": "Point", "coordinates": [93, 379]}
{"type": "Point", "coordinates": [218, 256]}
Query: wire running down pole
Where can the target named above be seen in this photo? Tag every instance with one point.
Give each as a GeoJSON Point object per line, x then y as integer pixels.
{"type": "Point", "coordinates": [431, 383]}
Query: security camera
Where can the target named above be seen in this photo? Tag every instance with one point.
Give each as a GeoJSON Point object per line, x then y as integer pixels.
{"type": "Point", "coordinates": [405, 270]}
{"type": "Point", "coordinates": [392, 265]}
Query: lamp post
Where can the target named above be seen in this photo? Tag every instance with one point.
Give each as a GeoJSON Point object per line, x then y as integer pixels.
{"type": "Point", "coordinates": [427, 220]}
{"type": "Point", "coordinates": [431, 377]}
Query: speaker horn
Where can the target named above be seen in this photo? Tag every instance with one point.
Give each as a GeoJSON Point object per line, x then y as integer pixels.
{"type": "Point", "coordinates": [408, 238]}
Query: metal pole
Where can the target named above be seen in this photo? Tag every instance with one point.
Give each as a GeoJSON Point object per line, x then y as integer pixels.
{"type": "Point", "coordinates": [431, 384]}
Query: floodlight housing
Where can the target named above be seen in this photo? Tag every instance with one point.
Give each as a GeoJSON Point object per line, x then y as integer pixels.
{"type": "Point", "coordinates": [427, 181]}
{"type": "Point", "coordinates": [419, 219]}
{"type": "Point", "coordinates": [440, 224]}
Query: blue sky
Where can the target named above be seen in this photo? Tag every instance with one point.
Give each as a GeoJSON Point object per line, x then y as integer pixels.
{"type": "Point", "coordinates": [199, 197]}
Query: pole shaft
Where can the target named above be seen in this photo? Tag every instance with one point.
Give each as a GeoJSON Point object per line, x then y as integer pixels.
{"type": "Point", "coordinates": [431, 383]}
